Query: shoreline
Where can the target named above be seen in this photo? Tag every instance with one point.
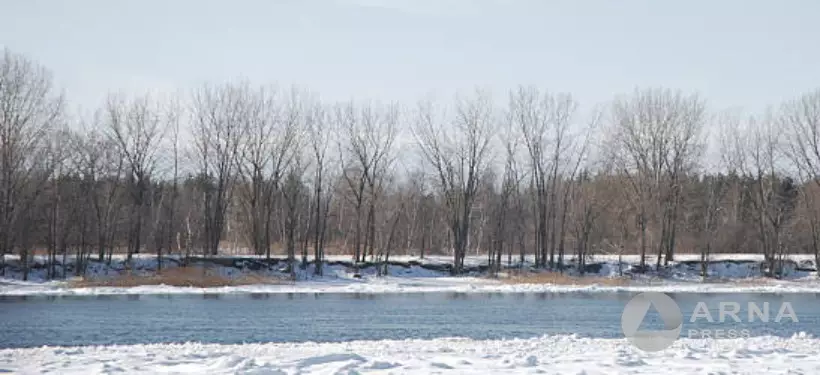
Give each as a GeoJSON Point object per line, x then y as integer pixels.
{"type": "Point", "coordinates": [729, 273]}
{"type": "Point", "coordinates": [394, 285]}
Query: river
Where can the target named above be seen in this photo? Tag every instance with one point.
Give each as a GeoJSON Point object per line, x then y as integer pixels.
{"type": "Point", "coordinates": [30, 321]}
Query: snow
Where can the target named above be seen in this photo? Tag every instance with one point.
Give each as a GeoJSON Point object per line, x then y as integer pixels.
{"type": "Point", "coordinates": [545, 355]}
{"type": "Point", "coordinates": [414, 285]}
{"type": "Point", "coordinates": [728, 273]}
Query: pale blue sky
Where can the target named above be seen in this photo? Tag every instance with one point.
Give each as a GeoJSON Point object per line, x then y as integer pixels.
{"type": "Point", "coordinates": [736, 53]}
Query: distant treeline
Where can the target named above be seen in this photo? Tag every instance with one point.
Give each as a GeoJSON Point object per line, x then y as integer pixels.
{"type": "Point", "coordinates": [266, 169]}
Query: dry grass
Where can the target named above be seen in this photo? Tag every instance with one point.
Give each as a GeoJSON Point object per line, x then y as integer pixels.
{"type": "Point", "coordinates": [184, 276]}
{"type": "Point", "coordinates": [755, 281]}
{"type": "Point", "coordinates": [563, 279]}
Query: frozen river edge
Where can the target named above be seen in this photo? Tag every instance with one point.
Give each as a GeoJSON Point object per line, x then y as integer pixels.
{"type": "Point", "coordinates": [413, 285]}
{"type": "Point", "coordinates": [546, 355]}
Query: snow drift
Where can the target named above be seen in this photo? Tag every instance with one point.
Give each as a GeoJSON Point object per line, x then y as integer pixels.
{"type": "Point", "coordinates": [546, 355]}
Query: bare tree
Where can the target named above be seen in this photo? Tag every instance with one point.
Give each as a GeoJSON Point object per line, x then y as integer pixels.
{"type": "Point", "coordinates": [319, 130]}
{"type": "Point", "coordinates": [510, 182]}
{"type": "Point", "coordinates": [266, 151]}
{"type": "Point", "coordinates": [173, 116]}
{"type": "Point", "coordinates": [136, 128]}
{"type": "Point", "coordinates": [292, 194]}
{"type": "Point", "coordinates": [654, 141]}
{"type": "Point", "coordinates": [219, 113]}
{"type": "Point", "coordinates": [59, 223]}
{"type": "Point", "coordinates": [584, 199]}
{"type": "Point", "coordinates": [544, 122]}
{"type": "Point", "coordinates": [397, 213]}
{"type": "Point", "coordinates": [100, 166]}
{"type": "Point", "coordinates": [428, 215]}
{"type": "Point", "coordinates": [715, 192]}
{"type": "Point", "coordinates": [29, 110]}
{"type": "Point", "coordinates": [370, 133]}
{"type": "Point", "coordinates": [578, 149]}
{"type": "Point", "coordinates": [801, 119]}
{"type": "Point", "coordinates": [755, 151]}
{"type": "Point", "coordinates": [458, 150]}
{"type": "Point", "coordinates": [414, 205]}
{"type": "Point", "coordinates": [589, 204]}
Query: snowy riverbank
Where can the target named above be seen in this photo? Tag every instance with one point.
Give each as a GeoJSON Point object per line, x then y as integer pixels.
{"type": "Point", "coordinates": [728, 273]}
{"type": "Point", "coordinates": [546, 355]}
{"type": "Point", "coordinates": [415, 285]}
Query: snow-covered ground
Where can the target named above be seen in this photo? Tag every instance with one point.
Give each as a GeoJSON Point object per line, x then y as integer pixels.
{"type": "Point", "coordinates": [728, 273]}
{"type": "Point", "coordinates": [546, 355]}
{"type": "Point", "coordinates": [416, 285]}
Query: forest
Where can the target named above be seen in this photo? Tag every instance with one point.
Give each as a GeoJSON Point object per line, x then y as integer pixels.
{"type": "Point", "coordinates": [245, 168]}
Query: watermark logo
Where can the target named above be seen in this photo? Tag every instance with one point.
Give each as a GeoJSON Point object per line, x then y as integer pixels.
{"type": "Point", "coordinates": [635, 312]}
{"type": "Point", "coordinates": [670, 313]}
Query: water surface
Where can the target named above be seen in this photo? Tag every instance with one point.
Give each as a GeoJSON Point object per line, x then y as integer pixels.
{"type": "Point", "coordinates": [28, 321]}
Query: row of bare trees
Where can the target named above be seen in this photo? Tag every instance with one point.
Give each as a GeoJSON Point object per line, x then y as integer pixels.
{"type": "Point", "coordinates": [242, 168]}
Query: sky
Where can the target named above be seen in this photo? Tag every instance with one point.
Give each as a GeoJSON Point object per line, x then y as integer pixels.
{"type": "Point", "coordinates": [746, 54]}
